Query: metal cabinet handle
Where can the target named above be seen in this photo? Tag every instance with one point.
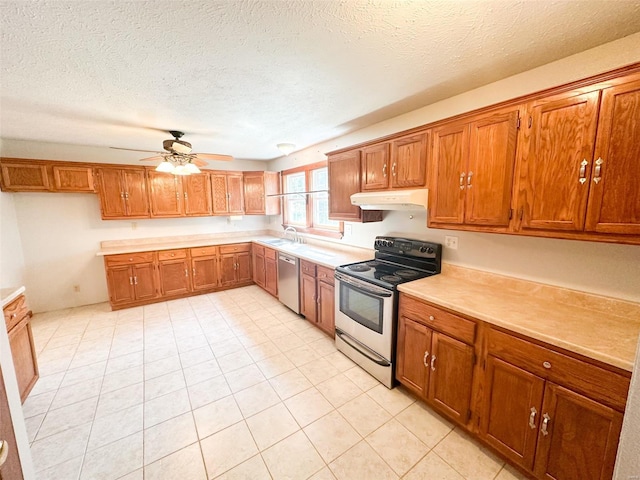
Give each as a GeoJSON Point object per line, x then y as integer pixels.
{"type": "Point", "coordinates": [130, 280]}
{"type": "Point", "coordinates": [532, 418]}
{"type": "Point", "coordinates": [186, 272]}
{"type": "Point", "coordinates": [393, 169]}
{"type": "Point", "coordinates": [582, 173]}
{"type": "Point", "coordinates": [14, 316]}
{"type": "Point", "coordinates": [185, 195]}
{"type": "Point", "coordinates": [194, 272]}
{"type": "Point", "coordinates": [126, 195]}
{"type": "Point", "coordinates": [597, 174]}
{"type": "Point", "coordinates": [135, 280]}
{"type": "Point", "coordinates": [545, 424]}
{"type": "Point", "coordinates": [433, 363]}
{"type": "Point", "coordinates": [121, 194]}
{"type": "Point", "coordinates": [177, 195]}
{"type": "Point", "coordinates": [469, 178]}
{"type": "Point", "coordinates": [425, 360]}
{"type": "Point", "coordinates": [4, 452]}
{"type": "Point", "coordinates": [384, 170]}
{"type": "Point", "coordinates": [462, 180]}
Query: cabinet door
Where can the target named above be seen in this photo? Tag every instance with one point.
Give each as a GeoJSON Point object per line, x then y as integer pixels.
{"type": "Point", "coordinates": [578, 437]}
{"type": "Point", "coordinates": [451, 375]}
{"type": "Point", "coordinates": [204, 271]}
{"type": "Point", "coordinates": [174, 276]}
{"type": "Point", "coordinates": [21, 177]}
{"type": "Point", "coordinates": [166, 194]}
{"type": "Point", "coordinates": [24, 356]}
{"type": "Point", "coordinates": [236, 194]}
{"type": "Point", "coordinates": [556, 183]}
{"type": "Point", "coordinates": [243, 269]}
{"type": "Point", "coordinates": [259, 273]}
{"type": "Point", "coordinates": [228, 269]}
{"type": "Point", "coordinates": [144, 281]}
{"type": "Point", "coordinates": [220, 205]}
{"type": "Point", "coordinates": [271, 276]}
{"type": "Point", "coordinates": [375, 167]}
{"type": "Point", "coordinates": [344, 181]}
{"type": "Point", "coordinates": [326, 307]}
{"type": "Point", "coordinates": [254, 197]}
{"type": "Point", "coordinates": [120, 283]}
{"type": "Point", "coordinates": [511, 411]}
{"type": "Point", "coordinates": [135, 186]}
{"type": "Point", "coordinates": [409, 161]}
{"type": "Point", "coordinates": [448, 177]}
{"type": "Point", "coordinates": [11, 469]}
{"type": "Point", "coordinates": [272, 187]}
{"type": "Point", "coordinates": [111, 193]}
{"type": "Point", "coordinates": [73, 179]}
{"type": "Point", "coordinates": [196, 190]}
{"type": "Point", "coordinates": [308, 300]}
{"type": "Point", "coordinates": [492, 153]}
{"type": "Point", "coordinates": [614, 196]}
{"type": "Point", "coordinates": [414, 353]}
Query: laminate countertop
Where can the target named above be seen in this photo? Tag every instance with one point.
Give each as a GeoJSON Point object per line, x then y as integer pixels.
{"type": "Point", "coordinates": [601, 328]}
{"type": "Point", "coordinates": [322, 253]}
{"type": "Point", "coordinates": [7, 295]}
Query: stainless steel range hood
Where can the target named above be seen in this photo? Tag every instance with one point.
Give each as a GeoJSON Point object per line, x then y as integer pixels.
{"type": "Point", "coordinates": [391, 200]}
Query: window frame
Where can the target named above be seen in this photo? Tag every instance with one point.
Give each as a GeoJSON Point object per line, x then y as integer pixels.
{"type": "Point", "coordinates": [309, 227]}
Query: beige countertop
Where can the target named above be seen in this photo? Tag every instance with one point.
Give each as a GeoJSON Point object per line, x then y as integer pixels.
{"type": "Point", "coordinates": [601, 328]}
{"type": "Point", "coordinates": [323, 253]}
{"type": "Point", "coordinates": [9, 294]}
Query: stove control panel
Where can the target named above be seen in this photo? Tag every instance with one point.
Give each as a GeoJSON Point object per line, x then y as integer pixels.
{"type": "Point", "coordinates": [408, 247]}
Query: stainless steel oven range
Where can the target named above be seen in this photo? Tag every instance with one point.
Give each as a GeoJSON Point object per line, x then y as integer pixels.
{"type": "Point", "coordinates": [367, 301]}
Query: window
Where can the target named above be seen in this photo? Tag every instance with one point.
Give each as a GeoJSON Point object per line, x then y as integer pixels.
{"type": "Point", "coordinates": [309, 213]}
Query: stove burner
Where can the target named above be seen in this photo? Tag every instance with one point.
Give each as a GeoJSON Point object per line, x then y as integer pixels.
{"type": "Point", "coordinates": [373, 263]}
{"type": "Point", "coordinates": [359, 267]}
{"type": "Point", "coordinates": [406, 273]}
{"type": "Point", "coordinates": [390, 278]}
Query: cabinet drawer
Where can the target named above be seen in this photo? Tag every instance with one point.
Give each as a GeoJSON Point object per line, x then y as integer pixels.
{"type": "Point", "coordinates": [235, 248]}
{"type": "Point", "coordinates": [433, 317]}
{"type": "Point", "coordinates": [258, 249]}
{"type": "Point", "coordinates": [598, 383]}
{"type": "Point", "coordinates": [15, 311]}
{"type": "Point", "coordinates": [270, 253]}
{"type": "Point", "coordinates": [172, 254]}
{"type": "Point", "coordinates": [129, 258]}
{"type": "Point", "coordinates": [203, 251]}
{"type": "Point", "coordinates": [326, 275]}
{"type": "Point", "coordinates": [308, 268]}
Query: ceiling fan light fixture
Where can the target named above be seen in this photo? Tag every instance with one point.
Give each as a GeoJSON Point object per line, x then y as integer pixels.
{"type": "Point", "coordinates": [165, 167]}
{"type": "Point", "coordinates": [191, 168]}
{"type": "Point", "coordinates": [181, 170]}
{"type": "Point", "coordinates": [286, 148]}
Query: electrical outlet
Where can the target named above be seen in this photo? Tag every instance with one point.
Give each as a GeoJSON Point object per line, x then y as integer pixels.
{"type": "Point", "coordinates": [348, 229]}
{"type": "Point", "coordinates": [451, 242]}
{"type": "Point", "coordinates": [76, 288]}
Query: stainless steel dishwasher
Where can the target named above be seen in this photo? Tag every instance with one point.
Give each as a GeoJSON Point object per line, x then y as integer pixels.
{"type": "Point", "coordinates": [288, 281]}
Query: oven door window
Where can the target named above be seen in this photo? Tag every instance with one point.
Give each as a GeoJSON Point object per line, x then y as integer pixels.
{"type": "Point", "coordinates": [362, 307]}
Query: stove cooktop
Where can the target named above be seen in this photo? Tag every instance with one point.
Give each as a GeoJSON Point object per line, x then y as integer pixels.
{"type": "Point", "coordinates": [382, 273]}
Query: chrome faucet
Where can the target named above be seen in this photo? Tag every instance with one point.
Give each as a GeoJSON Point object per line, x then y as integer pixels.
{"type": "Point", "coordinates": [295, 233]}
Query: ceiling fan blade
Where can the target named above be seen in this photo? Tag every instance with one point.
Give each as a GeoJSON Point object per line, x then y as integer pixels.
{"type": "Point", "coordinates": [214, 156]}
{"type": "Point", "coordinates": [156, 158]}
{"type": "Point", "coordinates": [135, 150]}
{"type": "Point", "coordinates": [199, 163]}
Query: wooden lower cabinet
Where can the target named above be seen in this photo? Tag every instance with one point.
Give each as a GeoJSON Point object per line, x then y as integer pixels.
{"type": "Point", "coordinates": [11, 468]}
{"type": "Point", "coordinates": [174, 277]}
{"type": "Point", "coordinates": [204, 273]}
{"type": "Point", "coordinates": [131, 283]}
{"type": "Point", "coordinates": [317, 297]}
{"type": "Point", "coordinates": [308, 297]}
{"type": "Point", "coordinates": [235, 265]}
{"type": "Point", "coordinates": [265, 268]}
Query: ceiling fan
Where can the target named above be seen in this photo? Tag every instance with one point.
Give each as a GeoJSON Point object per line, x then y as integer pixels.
{"type": "Point", "coordinates": [178, 158]}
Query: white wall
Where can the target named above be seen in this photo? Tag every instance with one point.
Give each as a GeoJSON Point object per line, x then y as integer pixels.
{"type": "Point", "coordinates": [628, 463]}
{"type": "Point", "coordinates": [605, 269]}
{"type": "Point", "coordinates": [12, 266]}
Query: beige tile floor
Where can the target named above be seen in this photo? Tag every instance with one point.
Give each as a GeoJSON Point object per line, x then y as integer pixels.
{"type": "Point", "coordinates": [230, 385]}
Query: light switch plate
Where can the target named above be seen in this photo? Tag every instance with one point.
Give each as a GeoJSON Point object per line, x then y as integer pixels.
{"type": "Point", "coordinates": [348, 229]}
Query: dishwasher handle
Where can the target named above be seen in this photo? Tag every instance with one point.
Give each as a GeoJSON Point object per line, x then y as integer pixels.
{"type": "Point", "coordinates": [290, 260]}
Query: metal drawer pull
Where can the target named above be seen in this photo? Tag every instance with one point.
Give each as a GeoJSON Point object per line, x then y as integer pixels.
{"type": "Point", "coordinates": [597, 175]}
{"type": "Point", "coordinates": [462, 180]}
{"type": "Point", "coordinates": [186, 272]}
{"type": "Point", "coordinates": [545, 424]}
{"type": "Point", "coordinates": [130, 280]}
{"type": "Point", "coordinates": [393, 169]}
{"type": "Point", "coordinates": [582, 174]}
{"type": "Point", "coordinates": [469, 178]}
{"type": "Point", "coordinates": [425, 360]}
{"type": "Point", "coordinates": [433, 363]}
{"type": "Point", "coordinates": [384, 170]}
{"type": "Point", "coordinates": [135, 280]}
{"type": "Point", "coordinates": [546, 364]}
{"type": "Point", "coordinates": [194, 272]}
{"type": "Point", "coordinates": [432, 318]}
{"type": "Point", "coordinates": [4, 452]}
{"type": "Point", "coordinates": [532, 418]}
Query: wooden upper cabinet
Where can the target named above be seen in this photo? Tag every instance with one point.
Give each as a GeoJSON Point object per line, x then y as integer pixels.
{"type": "Point", "coordinates": [555, 170]}
{"type": "Point", "coordinates": [492, 155]}
{"type": "Point", "coordinates": [227, 192]}
{"type": "Point", "coordinates": [344, 181]}
{"type": "Point", "coordinates": [22, 177]}
{"type": "Point", "coordinates": [409, 161]}
{"type": "Point", "coordinates": [73, 179]}
{"type": "Point", "coordinates": [196, 191]}
{"type": "Point", "coordinates": [448, 174]}
{"type": "Point", "coordinates": [165, 194]}
{"type": "Point", "coordinates": [123, 193]}
{"type": "Point", "coordinates": [614, 196]}
{"type": "Point", "coordinates": [375, 167]}
{"type": "Point", "coordinates": [257, 188]}
{"type": "Point", "coordinates": [236, 193]}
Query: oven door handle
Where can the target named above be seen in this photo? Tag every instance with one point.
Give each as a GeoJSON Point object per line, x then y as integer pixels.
{"type": "Point", "coordinates": [362, 349]}
{"type": "Point", "coordinates": [376, 291]}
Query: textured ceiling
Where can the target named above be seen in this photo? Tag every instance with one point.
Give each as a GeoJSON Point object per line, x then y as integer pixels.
{"type": "Point", "coordinates": [241, 76]}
